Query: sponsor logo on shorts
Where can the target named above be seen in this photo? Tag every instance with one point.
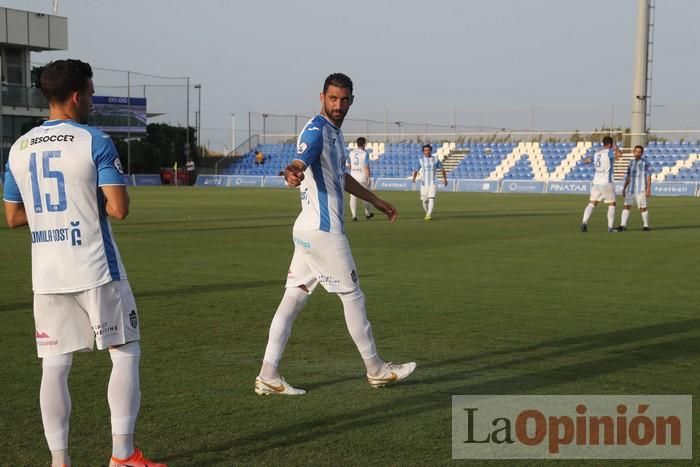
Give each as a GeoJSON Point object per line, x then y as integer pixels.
{"type": "Point", "coordinates": [353, 276]}
{"type": "Point", "coordinates": [133, 319]}
{"type": "Point", "coordinates": [302, 243]}
{"type": "Point", "coordinates": [41, 337]}
{"type": "Point", "coordinates": [328, 280]}
{"type": "Point", "coordinates": [105, 329]}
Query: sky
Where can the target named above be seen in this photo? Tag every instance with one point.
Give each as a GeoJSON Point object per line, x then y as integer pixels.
{"type": "Point", "coordinates": [545, 65]}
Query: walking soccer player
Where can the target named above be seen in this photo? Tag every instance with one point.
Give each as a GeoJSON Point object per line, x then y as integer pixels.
{"type": "Point", "coordinates": [428, 165]}
{"type": "Point", "coordinates": [321, 250]}
{"type": "Point", "coordinates": [358, 163]}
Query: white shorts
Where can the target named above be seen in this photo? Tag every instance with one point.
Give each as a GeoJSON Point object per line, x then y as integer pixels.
{"type": "Point", "coordinates": [639, 199]}
{"type": "Point", "coordinates": [69, 322]}
{"type": "Point", "coordinates": [427, 192]}
{"type": "Point", "coordinates": [603, 193]}
{"type": "Point", "coordinates": [361, 179]}
{"type": "Point", "coordinates": [322, 258]}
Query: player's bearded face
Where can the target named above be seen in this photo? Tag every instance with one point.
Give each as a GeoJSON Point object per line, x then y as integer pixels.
{"type": "Point", "coordinates": [336, 103]}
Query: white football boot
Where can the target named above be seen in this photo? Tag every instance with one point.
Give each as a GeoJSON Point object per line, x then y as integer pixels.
{"type": "Point", "coordinates": [391, 373]}
{"type": "Point", "coordinates": [276, 386]}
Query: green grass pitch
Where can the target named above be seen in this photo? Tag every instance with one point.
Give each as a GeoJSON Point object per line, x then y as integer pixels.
{"type": "Point", "coordinates": [499, 294]}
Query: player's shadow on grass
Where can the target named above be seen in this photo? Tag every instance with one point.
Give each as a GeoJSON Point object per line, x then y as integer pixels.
{"type": "Point", "coordinates": [206, 288]}
{"type": "Point", "coordinates": [229, 228]}
{"type": "Point", "coordinates": [498, 215]}
{"type": "Point", "coordinates": [618, 351]}
{"type": "Point", "coordinates": [211, 220]}
{"type": "Point", "coordinates": [669, 227]}
{"type": "Point", "coordinates": [574, 344]}
{"type": "Point", "coordinates": [15, 306]}
{"type": "Point", "coordinates": [188, 290]}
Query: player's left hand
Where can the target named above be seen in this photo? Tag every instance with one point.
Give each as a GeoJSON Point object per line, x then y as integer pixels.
{"type": "Point", "coordinates": [648, 194]}
{"type": "Point", "coordinates": [387, 208]}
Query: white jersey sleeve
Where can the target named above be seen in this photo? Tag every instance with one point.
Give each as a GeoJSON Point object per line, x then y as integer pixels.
{"type": "Point", "coordinates": [55, 171]}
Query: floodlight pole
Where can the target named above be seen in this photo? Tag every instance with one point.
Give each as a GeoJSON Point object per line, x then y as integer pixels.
{"type": "Point", "coordinates": [233, 133]}
{"type": "Point", "coordinates": [128, 122]}
{"type": "Point", "coordinates": [640, 82]}
{"type": "Point", "coordinates": [198, 121]}
{"type": "Point", "coordinates": [187, 127]}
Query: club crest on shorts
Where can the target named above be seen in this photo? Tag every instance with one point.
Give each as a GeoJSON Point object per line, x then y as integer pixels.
{"type": "Point", "coordinates": [353, 276]}
{"type": "Point", "coordinates": [133, 319]}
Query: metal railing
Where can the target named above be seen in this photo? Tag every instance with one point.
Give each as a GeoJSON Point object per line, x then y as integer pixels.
{"type": "Point", "coordinates": [18, 96]}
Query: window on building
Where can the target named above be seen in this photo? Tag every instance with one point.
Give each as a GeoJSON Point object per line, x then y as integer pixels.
{"type": "Point", "coordinates": [14, 67]}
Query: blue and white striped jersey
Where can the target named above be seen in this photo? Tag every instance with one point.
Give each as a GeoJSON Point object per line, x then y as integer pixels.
{"type": "Point", "coordinates": [428, 167]}
{"type": "Point", "coordinates": [604, 161]}
{"type": "Point", "coordinates": [55, 170]}
{"type": "Point", "coordinates": [322, 148]}
{"type": "Point", "coordinates": [638, 171]}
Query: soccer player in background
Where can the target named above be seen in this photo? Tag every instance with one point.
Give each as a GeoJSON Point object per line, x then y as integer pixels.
{"type": "Point", "coordinates": [602, 187]}
{"type": "Point", "coordinates": [64, 179]}
{"type": "Point", "coordinates": [428, 165]}
{"type": "Point", "coordinates": [321, 250]}
{"type": "Point", "coordinates": [637, 188]}
{"type": "Point", "coordinates": [358, 162]}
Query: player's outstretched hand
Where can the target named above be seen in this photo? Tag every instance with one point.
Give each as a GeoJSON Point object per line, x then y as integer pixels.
{"type": "Point", "coordinates": [293, 175]}
{"type": "Point", "coordinates": [387, 208]}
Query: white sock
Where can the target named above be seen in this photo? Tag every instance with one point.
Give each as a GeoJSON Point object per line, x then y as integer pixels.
{"type": "Point", "coordinates": [353, 205]}
{"type": "Point", "coordinates": [625, 217]}
{"type": "Point", "coordinates": [361, 329]}
{"type": "Point", "coordinates": [124, 397]}
{"type": "Point", "coordinates": [431, 205]}
{"type": "Point", "coordinates": [292, 303]}
{"type": "Point", "coordinates": [587, 213]}
{"type": "Point", "coordinates": [611, 216]}
{"type": "Point", "coordinates": [54, 400]}
{"type": "Point", "coordinates": [425, 205]}
{"type": "Point", "coordinates": [645, 218]}
{"type": "Point", "coordinates": [60, 458]}
{"type": "Point", "coordinates": [367, 205]}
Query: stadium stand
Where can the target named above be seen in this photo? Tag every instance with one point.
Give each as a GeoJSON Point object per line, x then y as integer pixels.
{"type": "Point", "coordinates": [555, 161]}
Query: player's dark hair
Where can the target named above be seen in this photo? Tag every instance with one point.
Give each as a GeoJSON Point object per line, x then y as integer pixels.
{"type": "Point", "coordinates": [361, 142]}
{"type": "Point", "coordinates": [338, 80]}
{"type": "Point", "coordinates": [61, 78]}
{"type": "Point", "coordinates": [607, 141]}
{"type": "Point", "coordinates": [427, 146]}
{"type": "Point", "coordinates": [640, 147]}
